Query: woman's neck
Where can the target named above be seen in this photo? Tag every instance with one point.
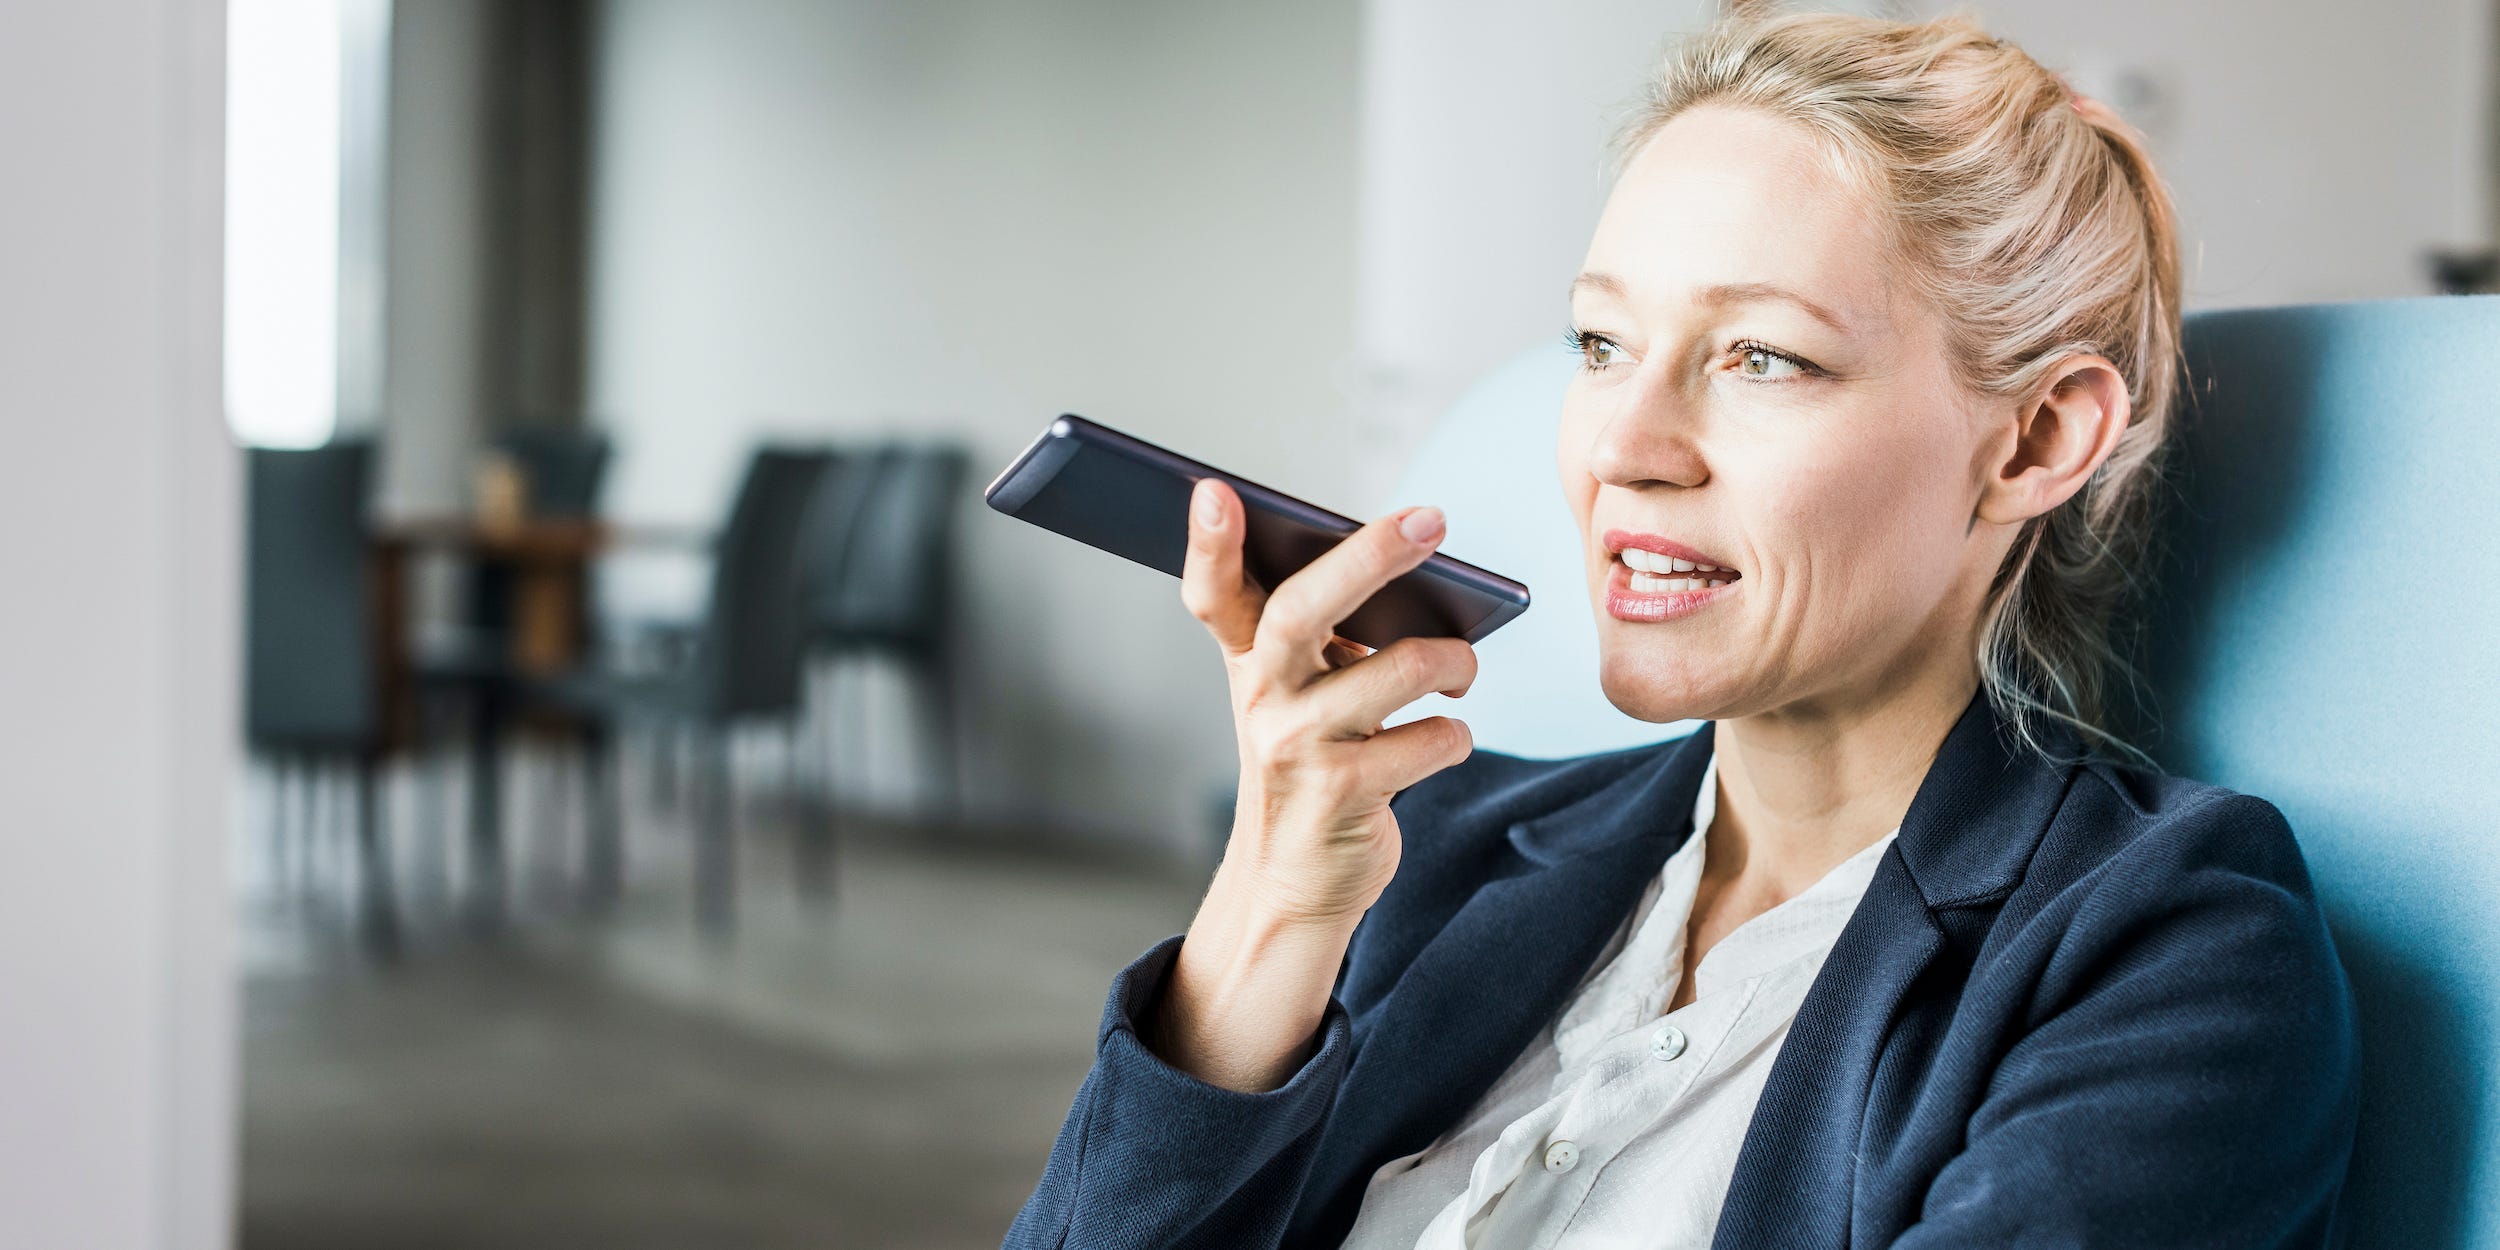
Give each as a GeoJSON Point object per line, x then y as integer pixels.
{"type": "Point", "coordinates": [1802, 788]}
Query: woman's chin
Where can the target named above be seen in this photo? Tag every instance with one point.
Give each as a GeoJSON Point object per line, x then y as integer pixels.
{"type": "Point", "coordinates": [1664, 697]}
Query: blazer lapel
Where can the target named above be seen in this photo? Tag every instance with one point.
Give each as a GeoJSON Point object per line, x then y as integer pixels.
{"type": "Point", "coordinates": [1478, 992]}
{"type": "Point", "coordinates": [1969, 833]}
{"type": "Point", "coordinates": [1794, 1172]}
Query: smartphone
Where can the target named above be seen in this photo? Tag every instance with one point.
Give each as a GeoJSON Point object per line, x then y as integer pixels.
{"type": "Point", "coordinates": [1130, 497]}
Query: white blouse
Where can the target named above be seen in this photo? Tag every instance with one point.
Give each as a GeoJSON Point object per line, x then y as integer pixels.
{"type": "Point", "coordinates": [1619, 1127]}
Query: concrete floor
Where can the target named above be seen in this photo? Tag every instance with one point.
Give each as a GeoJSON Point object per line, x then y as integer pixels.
{"type": "Point", "coordinates": [885, 1071]}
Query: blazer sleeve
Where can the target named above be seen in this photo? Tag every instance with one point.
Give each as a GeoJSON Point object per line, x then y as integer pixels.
{"type": "Point", "coordinates": [2190, 1074]}
{"type": "Point", "coordinates": [1152, 1157]}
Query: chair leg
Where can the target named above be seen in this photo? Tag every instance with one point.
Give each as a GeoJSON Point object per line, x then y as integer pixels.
{"type": "Point", "coordinates": [433, 831]}
{"type": "Point", "coordinates": [715, 863]}
{"type": "Point", "coordinates": [794, 784]}
{"type": "Point", "coordinates": [378, 913]}
{"type": "Point", "coordinates": [486, 851]}
{"type": "Point", "coordinates": [305, 779]}
{"type": "Point", "coordinates": [814, 833]}
{"type": "Point", "coordinates": [936, 671]}
{"type": "Point", "coordinates": [808, 724]}
{"type": "Point", "coordinates": [665, 765]}
{"type": "Point", "coordinates": [281, 829]}
{"type": "Point", "coordinates": [833, 736]}
{"type": "Point", "coordinates": [603, 843]}
{"type": "Point", "coordinates": [326, 806]}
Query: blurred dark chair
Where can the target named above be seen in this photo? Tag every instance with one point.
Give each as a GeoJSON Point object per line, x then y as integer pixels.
{"type": "Point", "coordinates": [887, 587]}
{"type": "Point", "coordinates": [562, 467]}
{"type": "Point", "coordinates": [311, 697]}
{"type": "Point", "coordinates": [561, 471]}
{"type": "Point", "coordinates": [743, 667]}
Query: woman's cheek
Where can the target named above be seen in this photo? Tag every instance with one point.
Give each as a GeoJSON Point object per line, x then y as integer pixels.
{"type": "Point", "coordinates": [1832, 531]}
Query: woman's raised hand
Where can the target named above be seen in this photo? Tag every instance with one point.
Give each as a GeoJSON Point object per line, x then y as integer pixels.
{"type": "Point", "coordinates": [1313, 841]}
{"type": "Point", "coordinates": [1312, 824]}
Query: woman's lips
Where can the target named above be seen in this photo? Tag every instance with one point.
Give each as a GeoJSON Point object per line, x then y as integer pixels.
{"type": "Point", "coordinates": [1617, 541]}
{"type": "Point", "coordinates": [1625, 604]}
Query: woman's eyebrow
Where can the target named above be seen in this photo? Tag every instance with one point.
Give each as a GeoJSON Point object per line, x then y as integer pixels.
{"type": "Point", "coordinates": [1721, 294]}
{"type": "Point", "coordinates": [1604, 283]}
{"type": "Point", "coordinates": [1764, 292]}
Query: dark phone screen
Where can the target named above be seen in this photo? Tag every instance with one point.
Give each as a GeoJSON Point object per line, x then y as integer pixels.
{"type": "Point", "coordinates": [1134, 502]}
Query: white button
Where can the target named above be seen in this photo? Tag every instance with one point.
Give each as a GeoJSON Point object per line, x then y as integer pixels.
{"type": "Point", "coordinates": [1560, 1156]}
{"type": "Point", "coordinates": [1666, 1043]}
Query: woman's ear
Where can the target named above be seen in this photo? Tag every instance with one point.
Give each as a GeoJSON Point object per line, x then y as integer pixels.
{"type": "Point", "coordinates": [2059, 436]}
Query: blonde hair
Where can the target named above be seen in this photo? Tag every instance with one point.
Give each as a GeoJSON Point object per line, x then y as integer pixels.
{"type": "Point", "coordinates": [2031, 219]}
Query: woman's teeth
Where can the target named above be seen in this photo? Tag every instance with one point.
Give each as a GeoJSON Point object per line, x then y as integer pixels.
{"type": "Point", "coordinates": [1643, 583]}
{"type": "Point", "coordinates": [1656, 574]}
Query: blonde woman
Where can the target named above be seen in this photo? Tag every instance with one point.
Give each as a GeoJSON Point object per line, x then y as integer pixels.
{"type": "Point", "coordinates": [1879, 335]}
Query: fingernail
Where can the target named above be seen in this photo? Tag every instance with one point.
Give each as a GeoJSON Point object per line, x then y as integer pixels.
{"type": "Point", "coordinates": [1422, 525]}
{"type": "Point", "coordinates": [1210, 509]}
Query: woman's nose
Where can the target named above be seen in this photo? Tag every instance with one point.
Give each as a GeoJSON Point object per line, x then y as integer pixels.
{"type": "Point", "coordinates": [1648, 438]}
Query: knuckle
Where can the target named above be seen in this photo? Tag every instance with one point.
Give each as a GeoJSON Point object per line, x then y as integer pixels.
{"type": "Point", "coordinates": [1198, 598]}
{"type": "Point", "coordinates": [1407, 666]}
{"type": "Point", "coordinates": [1281, 624]}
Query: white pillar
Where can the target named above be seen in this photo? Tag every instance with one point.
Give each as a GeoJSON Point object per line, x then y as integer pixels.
{"type": "Point", "coordinates": [118, 550]}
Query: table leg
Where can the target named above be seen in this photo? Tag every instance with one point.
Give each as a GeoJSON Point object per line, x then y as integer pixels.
{"type": "Point", "coordinates": [547, 617]}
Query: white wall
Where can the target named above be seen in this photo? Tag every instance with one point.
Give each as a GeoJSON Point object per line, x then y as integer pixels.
{"type": "Point", "coordinates": [817, 219]}
{"type": "Point", "coordinates": [2318, 149]}
{"type": "Point", "coordinates": [118, 541]}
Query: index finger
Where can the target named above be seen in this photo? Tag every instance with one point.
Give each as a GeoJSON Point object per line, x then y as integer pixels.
{"type": "Point", "coordinates": [1305, 608]}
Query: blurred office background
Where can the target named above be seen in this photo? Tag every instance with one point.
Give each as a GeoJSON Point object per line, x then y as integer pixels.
{"type": "Point", "coordinates": [603, 777]}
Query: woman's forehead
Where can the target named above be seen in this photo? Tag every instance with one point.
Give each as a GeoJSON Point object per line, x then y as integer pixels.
{"type": "Point", "coordinates": [1725, 199]}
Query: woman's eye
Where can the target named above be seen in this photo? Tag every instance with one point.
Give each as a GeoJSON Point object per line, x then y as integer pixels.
{"type": "Point", "coordinates": [1596, 350]}
{"type": "Point", "coordinates": [1756, 361]}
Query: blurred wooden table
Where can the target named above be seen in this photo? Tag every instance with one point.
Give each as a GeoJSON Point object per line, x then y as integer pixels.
{"type": "Point", "coordinates": [545, 562]}
{"type": "Point", "coordinates": [543, 567]}
{"type": "Point", "coordinates": [543, 616]}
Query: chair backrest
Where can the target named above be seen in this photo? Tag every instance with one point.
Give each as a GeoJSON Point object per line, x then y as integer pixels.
{"type": "Point", "coordinates": [2363, 438]}
{"type": "Point", "coordinates": [833, 518]}
{"type": "Point", "coordinates": [564, 467]}
{"type": "Point", "coordinates": [309, 661]}
{"type": "Point", "coordinates": [750, 648]}
{"type": "Point", "coordinates": [896, 573]}
{"type": "Point", "coordinates": [2360, 436]}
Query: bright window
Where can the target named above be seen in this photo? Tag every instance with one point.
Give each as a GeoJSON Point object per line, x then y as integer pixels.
{"type": "Point", "coordinates": [282, 221]}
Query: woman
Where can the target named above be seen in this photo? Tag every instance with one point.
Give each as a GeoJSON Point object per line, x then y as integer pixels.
{"type": "Point", "coordinates": [1879, 332]}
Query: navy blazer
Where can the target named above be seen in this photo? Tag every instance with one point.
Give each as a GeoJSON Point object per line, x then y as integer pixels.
{"type": "Point", "coordinates": [2078, 1005]}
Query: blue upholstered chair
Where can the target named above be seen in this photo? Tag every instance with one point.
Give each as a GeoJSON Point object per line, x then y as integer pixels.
{"type": "Point", "coordinates": [2325, 633]}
